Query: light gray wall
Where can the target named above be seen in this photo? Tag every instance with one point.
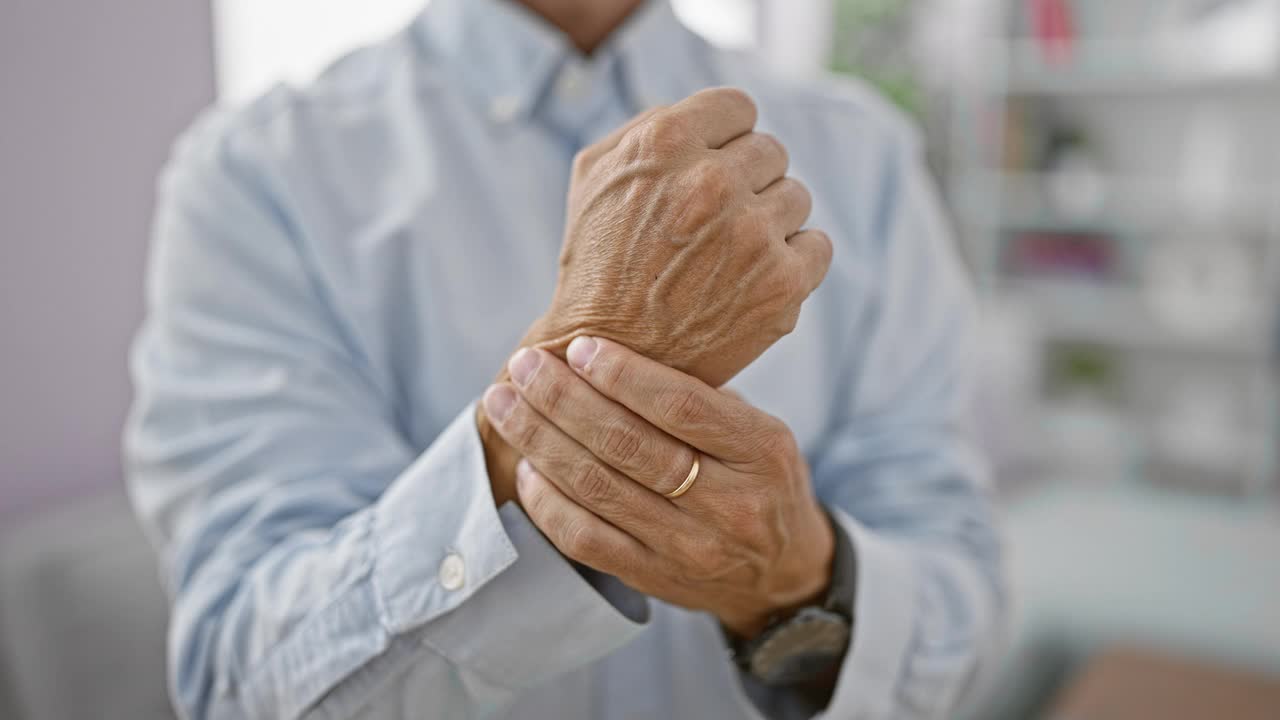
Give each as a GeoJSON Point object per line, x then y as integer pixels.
{"type": "Point", "coordinates": [91, 96]}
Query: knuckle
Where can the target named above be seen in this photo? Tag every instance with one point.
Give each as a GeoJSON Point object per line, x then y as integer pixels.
{"type": "Point", "coordinates": [821, 241]}
{"type": "Point", "coordinates": [581, 162]}
{"type": "Point", "coordinates": [528, 431]}
{"type": "Point", "coordinates": [668, 125]}
{"type": "Point", "coordinates": [787, 321]}
{"type": "Point", "coordinates": [713, 180]}
{"type": "Point", "coordinates": [593, 485]}
{"type": "Point", "coordinates": [622, 441]}
{"type": "Point", "coordinates": [578, 540]}
{"type": "Point", "coordinates": [554, 394]}
{"type": "Point", "coordinates": [803, 197]}
{"type": "Point", "coordinates": [664, 132]}
{"type": "Point", "coordinates": [612, 371]}
{"type": "Point", "coordinates": [774, 146]}
{"type": "Point", "coordinates": [752, 224]}
{"type": "Point", "coordinates": [776, 288]}
{"type": "Point", "coordinates": [701, 210]}
{"type": "Point", "coordinates": [681, 464]}
{"type": "Point", "coordinates": [779, 430]}
{"type": "Point", "coordinates": [824, 242]}
{"type": "Point", "coordinates": [738, 97]}
{"type": "Point", "coordinates": [792, 190]}
{"type": "Point", "coordinates": [535, 503]}
{"type": "Point", "coordinates": [776, 441]}
{"type": "Point", "coordinates": [799, 189]}
{"type": "Point", "coordinates": [765, 440]}
{"type": "Point", "coordinates": [763, 148]}
{"type": "Point", "coordinates": [683, 408]}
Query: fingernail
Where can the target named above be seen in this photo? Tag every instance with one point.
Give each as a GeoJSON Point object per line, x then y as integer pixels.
{"type": "Point", "coordinates": [523, 364]}
{"type": "Point", "coordinates": [580, 352]}
{"type": "Point", "coordinates": [498, 401]}
{"type": "Point", "coordinates": [524, 473]}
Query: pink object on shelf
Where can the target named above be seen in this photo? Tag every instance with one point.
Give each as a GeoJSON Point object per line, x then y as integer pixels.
{"type": "Point", "coordinates": [1048, 253]}
{"type": "Point", "coordinates": [1053, 27]}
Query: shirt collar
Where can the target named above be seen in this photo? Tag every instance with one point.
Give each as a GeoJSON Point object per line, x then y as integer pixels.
{"type": "Point", "coordinates": [507, 56]}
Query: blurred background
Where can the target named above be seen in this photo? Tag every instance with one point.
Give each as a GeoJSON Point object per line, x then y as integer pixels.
{"type": "Point", "coordinates": [1113, 171]}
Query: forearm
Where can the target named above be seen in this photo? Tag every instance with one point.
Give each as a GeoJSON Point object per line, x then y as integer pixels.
{"type": "Point", "coordinates": [322, 621]}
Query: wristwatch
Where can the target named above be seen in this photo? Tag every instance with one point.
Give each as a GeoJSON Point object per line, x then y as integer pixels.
{"type": "Point", "coordinates": [810, 644]}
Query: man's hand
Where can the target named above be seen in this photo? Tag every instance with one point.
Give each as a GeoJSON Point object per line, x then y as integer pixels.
{"type": "Point", "coordinates": [684, 243]}
{"type": "Point", "coordinates": [607, 439]}
{"type": "Point", "coordinates": [683, 240]}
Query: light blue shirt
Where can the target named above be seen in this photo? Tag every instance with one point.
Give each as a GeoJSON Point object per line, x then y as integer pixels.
{"type": "Point", "coordinates": [339, 271]}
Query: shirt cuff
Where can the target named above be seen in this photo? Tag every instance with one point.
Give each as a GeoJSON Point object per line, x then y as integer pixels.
{"type": "Point", "coordinates": [500, 599]}
{"type": "Point", "coordinates": [437, 537]}
{"type": "Point", "coordinates": [883, 624]}
{"type": "Point", "coordinates": [540, 618]}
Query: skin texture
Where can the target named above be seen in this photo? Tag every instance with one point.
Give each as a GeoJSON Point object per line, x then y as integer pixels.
{"type": "Point", "coordinates": [586, 22]}
{"type": "Point", "coordinates": [609, 433]}
{"type": "Point", "coordinates": [684, 242]}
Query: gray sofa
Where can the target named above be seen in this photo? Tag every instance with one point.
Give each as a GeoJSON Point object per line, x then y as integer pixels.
{"type": "Point", "coordinates": [82, 616]}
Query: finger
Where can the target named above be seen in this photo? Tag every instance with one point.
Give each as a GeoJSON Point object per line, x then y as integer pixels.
{"type": "Point", "coordinates": [788, 202]}
{"type": "Point", "coordinates": [717, 115]}
{"type": "Point", "coordinates": [579, 474]}
{"type": "Point", "coordinates": [758, 158]}
{"type": "Point", "coordinates": [726, 390]}
{"type": "Point", "coordinates": [607, 429]}
{"type": "Point", "coordinates": [575, 531]}
{"type": "Point", "coordinates": [679, 404]}
{"type": "Point", "coordinates": [812, 254]}
{"type": "Point", "coordinates": [610, 141]}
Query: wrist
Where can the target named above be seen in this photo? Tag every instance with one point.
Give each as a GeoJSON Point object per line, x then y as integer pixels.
{"type": "Point", "coordinates": [803, 580]}
{"type": "Point", "coordinates": [500, 460]}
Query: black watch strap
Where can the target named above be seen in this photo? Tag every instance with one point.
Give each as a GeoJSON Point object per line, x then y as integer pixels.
{"type": "Point", "coordinates": [839, 603]}
{"type": "Point", "coordinates": [842, 595]}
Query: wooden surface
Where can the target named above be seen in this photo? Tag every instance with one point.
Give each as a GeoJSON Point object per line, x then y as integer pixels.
{"type": "Point", "coordinates": [1129, 684]}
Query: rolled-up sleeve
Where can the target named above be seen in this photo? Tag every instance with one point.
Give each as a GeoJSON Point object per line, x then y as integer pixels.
{"type": "Point", "coordinates": [315, 558]}
{"type": "Point", "coordinates": [902, 475]}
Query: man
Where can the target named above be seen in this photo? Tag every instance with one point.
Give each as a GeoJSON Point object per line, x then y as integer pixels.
{"type": "Point", "coordinates": [355, 520]}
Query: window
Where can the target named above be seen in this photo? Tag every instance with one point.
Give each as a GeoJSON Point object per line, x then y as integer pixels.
{"type": "Point", "coordinates": [262, 42]}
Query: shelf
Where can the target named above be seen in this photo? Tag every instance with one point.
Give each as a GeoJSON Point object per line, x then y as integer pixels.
{"type": "Point", "coordinates": [1108, 315]}
{"type": "Point", "coordinates": [1113, 441]}
{"type": "Point", "coordinates": [1122, 67]}
{"type": "Point", "coordinates": [1153, 211]}
{"type": "Point", "coordinates": [1130, 203]}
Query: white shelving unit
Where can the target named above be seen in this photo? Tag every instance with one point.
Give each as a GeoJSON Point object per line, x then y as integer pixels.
{"type": "Point", "coordinates": [1137, 103]}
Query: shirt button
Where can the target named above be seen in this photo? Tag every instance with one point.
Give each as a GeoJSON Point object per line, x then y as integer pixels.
{"type": "Point", "coordinates": [453, 572]}
{"type": "Point", "coordinates": [572, 82]}
{"type": "Point", "coordinates": [503, 108]}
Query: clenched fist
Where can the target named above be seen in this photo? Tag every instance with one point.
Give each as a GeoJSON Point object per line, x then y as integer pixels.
{"type": "Point", "coordinates": [684, 242]}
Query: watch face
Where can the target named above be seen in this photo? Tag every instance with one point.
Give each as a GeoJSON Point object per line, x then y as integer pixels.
{"type": "Point", "coordinates": [808, 646]}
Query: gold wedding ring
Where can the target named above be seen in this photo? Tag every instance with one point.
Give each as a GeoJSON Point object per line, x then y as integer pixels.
{"type": "Point", "coordinates": [688, 481]}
